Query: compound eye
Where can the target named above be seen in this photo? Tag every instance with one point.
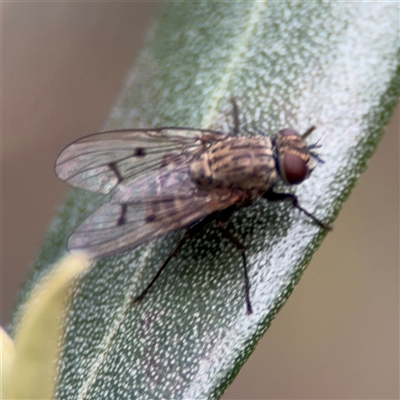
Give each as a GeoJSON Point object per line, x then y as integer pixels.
{"type": "Point", "coordinates": [293, 168]}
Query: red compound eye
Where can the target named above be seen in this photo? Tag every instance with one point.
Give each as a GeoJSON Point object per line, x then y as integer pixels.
{"type": "Point", "coordinates": [293, 168]}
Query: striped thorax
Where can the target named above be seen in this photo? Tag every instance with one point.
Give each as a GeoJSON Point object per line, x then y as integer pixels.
{"type": "Point", "coordinates": [237, 163]}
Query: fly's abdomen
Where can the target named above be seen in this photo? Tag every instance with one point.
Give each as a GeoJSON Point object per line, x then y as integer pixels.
{"type": "Point", "coordinates": [238, 162]}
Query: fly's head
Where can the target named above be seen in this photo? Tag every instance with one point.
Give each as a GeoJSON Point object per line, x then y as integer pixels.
{"type": "Point", "coordinates": [293, 155]}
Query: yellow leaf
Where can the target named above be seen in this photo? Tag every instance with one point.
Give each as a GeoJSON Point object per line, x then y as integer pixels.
{"type": "Point", "coordinates": [32, 375]}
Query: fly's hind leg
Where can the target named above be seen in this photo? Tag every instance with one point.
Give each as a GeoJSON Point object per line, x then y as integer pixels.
{"type": "Point", "coordinates": [223, 219]}
{"type": "Point", "coordinates": [190, 232]}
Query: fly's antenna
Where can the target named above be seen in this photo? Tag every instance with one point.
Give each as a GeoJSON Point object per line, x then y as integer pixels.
{"type": "Point", "coordinates": [314, 146]}
{"type": "Point", "coordinates": [315, 156]}
{"type": "Point", "coordinates": [318, 159]}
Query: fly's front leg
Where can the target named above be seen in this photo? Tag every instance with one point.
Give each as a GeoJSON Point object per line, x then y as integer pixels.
{"type": "Point", "coordinates": [222, 221]}
{"type": "Point", "coordinates": [190, 232]}
{"type": "Point", "coordinates": [273, 196]}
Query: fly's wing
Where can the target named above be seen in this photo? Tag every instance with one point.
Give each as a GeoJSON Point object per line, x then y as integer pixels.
{"type": "Point", "coordinates": [102, 161]}
{"type": "Point", "coordinates": [148, 173]}
{"type": "Point", "coordinates": [116, 227]}
{"type": "Point", "coordinates": [172, 181]}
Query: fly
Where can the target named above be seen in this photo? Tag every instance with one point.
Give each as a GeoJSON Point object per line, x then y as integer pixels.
{"type": "Point", "coordinates": [166, 179]}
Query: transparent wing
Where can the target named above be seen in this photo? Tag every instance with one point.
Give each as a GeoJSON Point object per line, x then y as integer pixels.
{"type": "Point", "coordinates": [117, 227]}
{"type": "Point", "coordinates": [101, 161]}
{"type": "Point", "coordinates": [170, 182]}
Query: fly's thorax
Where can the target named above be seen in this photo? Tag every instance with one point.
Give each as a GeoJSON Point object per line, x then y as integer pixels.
{"type": "Point", "coordinates": [293, 156]}
{"type": "Point", "coordinates": [237, 162]}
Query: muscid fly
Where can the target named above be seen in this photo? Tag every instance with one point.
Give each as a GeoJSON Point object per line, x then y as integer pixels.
{"type": "Point", "coordinates": [165, 179]}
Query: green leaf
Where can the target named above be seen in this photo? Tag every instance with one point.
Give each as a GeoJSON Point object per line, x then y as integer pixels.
{"type": "Point", "coordinates": [296, 64]}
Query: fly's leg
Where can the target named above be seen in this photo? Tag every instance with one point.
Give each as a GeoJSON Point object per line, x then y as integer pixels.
{"type": "Point", "coordinates": [223, 219]}
{"type": "Point", "coordinates": [308, 131]}
{"type": "Point", "coordinates": [171, 255]}
{"type": "Point", "coordinates": [190, 232]}
{"type": "Point", "coordinates": [273, 196]}
{"type": "Point", "coordinates": [236, 119]}
{"type": "Point", "coordinates": [240, 246]}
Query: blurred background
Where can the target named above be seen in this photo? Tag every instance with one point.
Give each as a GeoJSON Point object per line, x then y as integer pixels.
{"type": "Point", "coordinates": [63, 65]}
